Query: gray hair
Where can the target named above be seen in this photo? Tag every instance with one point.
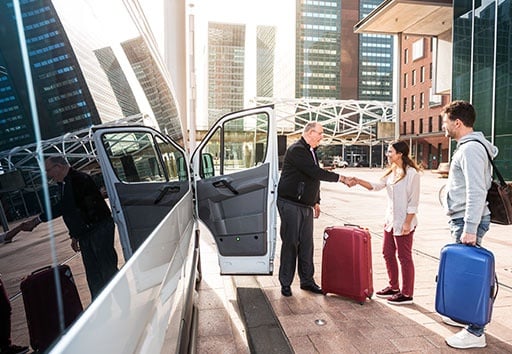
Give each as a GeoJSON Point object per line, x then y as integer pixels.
{"type": "Point", "coordinates": [310, 126]}
{"type": "Point", "coordinates": [58, 160]}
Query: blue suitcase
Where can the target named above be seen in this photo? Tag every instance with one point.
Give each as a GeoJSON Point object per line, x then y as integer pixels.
{"type": "Point", "coordinates": [466, 284]}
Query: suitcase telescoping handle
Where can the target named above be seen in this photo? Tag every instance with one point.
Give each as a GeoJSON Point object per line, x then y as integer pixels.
{"type": "Point", "coordinates": [41, 270]}
{"type": "Point", "coordinates": [353, 225]}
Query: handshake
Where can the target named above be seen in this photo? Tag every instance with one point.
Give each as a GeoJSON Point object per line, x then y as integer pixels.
{"type": "Point", "coordinates": [349, 181]}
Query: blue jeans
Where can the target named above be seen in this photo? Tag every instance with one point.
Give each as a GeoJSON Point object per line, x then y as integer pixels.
{"type": "Point", "coordinates": [456, 229]}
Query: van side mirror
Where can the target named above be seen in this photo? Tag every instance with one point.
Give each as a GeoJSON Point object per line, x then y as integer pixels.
{"type": "Point", "coordinates": [182, 168]}
{"type": "Point", "coordinates": [207, 168]}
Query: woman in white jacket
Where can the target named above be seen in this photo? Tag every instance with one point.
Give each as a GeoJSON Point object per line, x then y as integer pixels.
{"type": "Point", "coordinates": [402, 183]}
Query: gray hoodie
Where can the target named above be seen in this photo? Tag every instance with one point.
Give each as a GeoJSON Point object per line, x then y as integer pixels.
{"type": "Point", "coordinates": [469, 180]}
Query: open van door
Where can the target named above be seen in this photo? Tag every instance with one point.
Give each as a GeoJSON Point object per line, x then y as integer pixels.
{"type": "Point", "coordinates": [145, 177]}
{"type": "Point", "coordinates": [235, 177]}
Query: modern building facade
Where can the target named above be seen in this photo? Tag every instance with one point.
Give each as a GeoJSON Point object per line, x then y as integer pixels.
{"type": "Point", "coordinates": [84, 71]}
{"type": "Point", "coordinates": [265, 59]}
{"type": "Point", "coordinates": [482, 69]}
{"type": "Point", "coordinates": [473, 41]}
{"type": "Point", "coordinates": [72, 67]}
{"type": "Point", "coordinates": [332, 61]}
{"type": "Point", "coordinates": [318, 50]}
{"type": "Point", "coordinates": [375, 60]}
{"type": "Point", "coordinates": [226, 62]}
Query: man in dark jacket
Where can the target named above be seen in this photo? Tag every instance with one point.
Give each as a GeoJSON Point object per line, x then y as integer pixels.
{"type": "Point", "coordinates": [298, 203]}
{"type": "Point", "coordinates": [88, 219]}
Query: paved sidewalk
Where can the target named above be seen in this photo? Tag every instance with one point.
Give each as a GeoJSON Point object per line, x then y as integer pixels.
{"type": "Point", "coordinates": [374, 327]}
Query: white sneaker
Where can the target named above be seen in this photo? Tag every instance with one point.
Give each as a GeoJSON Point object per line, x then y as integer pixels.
{"type": "Point", "coordinates": [451, 322]}
{"type": "Point", "coordinates": [465, 340]}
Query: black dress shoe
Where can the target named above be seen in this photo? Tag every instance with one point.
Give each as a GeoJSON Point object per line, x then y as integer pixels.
{"type": "Point", "coordinates": [286, 291]}
{"type": "Point", "coordinates": [313, 288]}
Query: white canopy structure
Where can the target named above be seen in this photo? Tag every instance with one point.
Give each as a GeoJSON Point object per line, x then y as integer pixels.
{"type": "Point", "coordinates": [347, 122]}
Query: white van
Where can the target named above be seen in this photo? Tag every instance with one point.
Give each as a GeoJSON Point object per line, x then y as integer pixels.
{"type": "Point", "coordinates": [157, 198]}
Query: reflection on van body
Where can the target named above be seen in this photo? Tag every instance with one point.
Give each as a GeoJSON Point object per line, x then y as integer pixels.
{"type": "Point", "coordinates": [91, 65]}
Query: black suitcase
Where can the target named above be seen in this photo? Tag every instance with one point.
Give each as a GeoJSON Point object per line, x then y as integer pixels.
{"type": "Point", "coordinates": [41, 309]}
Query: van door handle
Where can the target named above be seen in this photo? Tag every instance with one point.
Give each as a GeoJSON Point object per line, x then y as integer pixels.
{"type": "Point", "coordinates": [223, 183]}
{"type": "Point", "coordinates": [164, 191]}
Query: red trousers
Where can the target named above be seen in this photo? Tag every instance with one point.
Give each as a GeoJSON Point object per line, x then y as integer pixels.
{"type": "Point", "coordinates": [401, 246]}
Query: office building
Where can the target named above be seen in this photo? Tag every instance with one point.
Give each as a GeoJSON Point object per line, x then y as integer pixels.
{"type": "Point", "coordinates": [420, 108]}
{"type": "Point", "coordinates": [472, 51]}
{"type": "Point", "coordinates": [375, 60]}
{"type": "Point", "coordinates": [81, 73]}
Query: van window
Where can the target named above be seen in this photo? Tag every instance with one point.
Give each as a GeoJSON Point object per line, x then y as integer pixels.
{"type": "Point", "coordinates": [239, 144]}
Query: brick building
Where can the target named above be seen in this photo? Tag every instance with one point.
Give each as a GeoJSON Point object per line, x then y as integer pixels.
{"type": "Point", "coordinates": [420, 108]}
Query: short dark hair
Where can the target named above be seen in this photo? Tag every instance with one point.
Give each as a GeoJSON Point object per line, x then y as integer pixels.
{"type": "Point", "coordinates": [461, 110]}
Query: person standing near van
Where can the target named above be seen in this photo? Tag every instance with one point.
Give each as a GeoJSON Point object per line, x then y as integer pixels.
{"type": "Point", "coordinates": [402, 183]}
{"type": "Point", "coordinates": [298, 203]}
{"type": "Point", "coordinates": [88, 219]}
{"type": "Point", "coordinates": [469, 180]}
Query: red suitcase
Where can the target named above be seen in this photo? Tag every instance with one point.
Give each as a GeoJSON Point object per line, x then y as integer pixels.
{"type": "Point", "coordinates": [347, 262]}
{"type": "Point", "coordinates": [41, 309]}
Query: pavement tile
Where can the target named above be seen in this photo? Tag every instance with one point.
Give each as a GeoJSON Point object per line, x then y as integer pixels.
{"type": "Point", "coordinates": [214, 322]}
{"type": "Point", "coordinates": [335, 343]}
{"type": "Point", "coordinates": [299, 324]}
{"type": "Point", "coordinates": [219, 344]}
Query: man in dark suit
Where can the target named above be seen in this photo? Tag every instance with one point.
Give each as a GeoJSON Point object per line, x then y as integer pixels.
{"type": "Point", "coordinates": [88, 219]}
{"type": "Point", "coordinates": [298, 203]}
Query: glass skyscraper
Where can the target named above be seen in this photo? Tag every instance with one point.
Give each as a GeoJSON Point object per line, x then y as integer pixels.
{"type": "Point", "coordinates": [375, 60]}
{"type": "Point", "coordinates": [332, 61]}
{"type": "Point", "coordinates": [265, 57]}
{"type": "Point", "coordinates": [86, 69]}
{"type": "Point", "coordinates": [226, 60]}
{"type": "Point", "coordinates": [482, 69]}
{"type": "Point", "coordinates": [318, 29]}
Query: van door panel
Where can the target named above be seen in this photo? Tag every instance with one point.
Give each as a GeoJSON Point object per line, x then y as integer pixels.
{"type": "Point", "coordinates": [238, 221]}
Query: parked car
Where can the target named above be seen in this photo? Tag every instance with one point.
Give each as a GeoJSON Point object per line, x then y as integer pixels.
{"type": "Point", "coordinates": [328, 164]}
{"type": "Point", "coordinates": [361, 163]}
{"type": "Point", "coordinates": [339, 162]}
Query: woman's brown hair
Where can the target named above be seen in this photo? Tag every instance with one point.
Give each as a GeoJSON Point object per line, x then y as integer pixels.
{"type": "Point", "coordinates": [401, 147]}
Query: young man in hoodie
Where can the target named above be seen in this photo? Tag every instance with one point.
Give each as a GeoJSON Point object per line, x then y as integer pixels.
{"type": "Point", "coordinates": [469, 180]}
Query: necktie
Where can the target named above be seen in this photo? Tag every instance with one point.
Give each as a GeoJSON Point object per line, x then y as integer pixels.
{"type": "Point", "coordinates": [314, 156]}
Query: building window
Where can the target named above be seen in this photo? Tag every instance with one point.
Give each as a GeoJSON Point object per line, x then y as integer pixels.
{"type": "Point", "coordinates": [405, 80]}
{"type": "Point", "coordinates": [440, 123]}
{"type": "Point", "coordinates": [430, 127]}
{"type": "Point", "coordinates": [406, 54]}
{"type": "Point", "coordinates": [422, 100]}
{"type": "Point", "coordinates": [412, 127]}
{"type": "Point", "coordinates": [405, 104]}
{"type": "Point", "coordinates": [430, 72]}
{"type": "Point", "coordinates": [413, 77]}
{"type": "Point", "coordinates": [418, 49]}
{"type": "Point", "coordinates": [404, 124]}
{"type": "Point", "coordinates": [422, 74]}
{"type": "Point", "coordinates": [421, 126]}
{"type": "Point", "coordinates": [413, 102]}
